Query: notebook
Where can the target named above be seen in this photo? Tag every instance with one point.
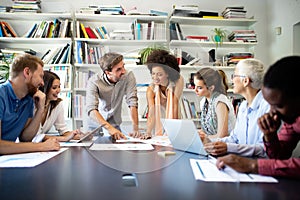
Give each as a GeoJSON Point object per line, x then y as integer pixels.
{"type": "Point", "coordinates": [184, 136]}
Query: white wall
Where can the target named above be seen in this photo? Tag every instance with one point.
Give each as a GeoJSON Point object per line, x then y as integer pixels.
{"type": "Point", "coordinates": [283, 14]}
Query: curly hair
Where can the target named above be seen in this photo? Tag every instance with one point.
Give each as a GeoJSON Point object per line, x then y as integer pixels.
{"type": "Point", "coordinates": [165, 60]}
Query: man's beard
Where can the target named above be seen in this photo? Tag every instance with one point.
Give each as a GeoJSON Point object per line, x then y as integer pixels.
{"type": "Point", "coordinates": [31, 89]}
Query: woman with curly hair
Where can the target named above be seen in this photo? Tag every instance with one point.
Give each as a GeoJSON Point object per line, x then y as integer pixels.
{"type": "Point", "coordinates": [164, 93]}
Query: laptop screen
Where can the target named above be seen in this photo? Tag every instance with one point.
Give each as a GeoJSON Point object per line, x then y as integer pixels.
{"type": "Point", "coordinates": [183, 135]}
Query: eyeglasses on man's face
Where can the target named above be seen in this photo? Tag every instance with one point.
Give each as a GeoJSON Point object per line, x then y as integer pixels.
{"type": "Point", "coordinates": [236, 75]}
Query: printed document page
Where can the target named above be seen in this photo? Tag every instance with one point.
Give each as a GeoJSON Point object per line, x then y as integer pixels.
{"type": "Point", "coordinates": [155, 140]}
{"type": "Point", "coordinates": [130, 146]}
{"type": "Point", "coordinates": [206, 170]}
{"type": "Point", "coordinates": [27, 159]}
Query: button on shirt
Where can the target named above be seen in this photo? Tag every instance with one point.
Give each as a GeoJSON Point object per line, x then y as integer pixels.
{"type": "Point", "coordinates": [246, 138]}
{"type": "Point", "coordinates": [14, 112]}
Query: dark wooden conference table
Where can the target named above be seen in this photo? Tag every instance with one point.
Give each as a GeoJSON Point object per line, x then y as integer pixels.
{"type": "Point", "coordinates": [79, 173]}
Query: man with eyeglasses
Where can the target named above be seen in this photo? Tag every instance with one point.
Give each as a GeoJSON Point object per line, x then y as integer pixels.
{"type": "Point", "coordinates": [246, 137]}
{"type": "Point", "coordinates": [105, 93]}
{"type": "Point", "coordinates": [280, 139]}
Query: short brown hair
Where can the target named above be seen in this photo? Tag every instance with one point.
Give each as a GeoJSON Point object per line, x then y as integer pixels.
{"type": "Point", "coordinates": [25, 60]}
{"type": "Point", "coordinates": [109, 60]}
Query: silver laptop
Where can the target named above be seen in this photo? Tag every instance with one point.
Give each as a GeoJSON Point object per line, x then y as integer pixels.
{"type": "Point", "coordinates": [184, 136]}
{"type": "Point", "coordinates": [88, 134]}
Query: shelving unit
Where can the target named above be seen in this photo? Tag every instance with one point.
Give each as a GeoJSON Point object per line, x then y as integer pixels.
{"type": "Point", "coordinates": [21, 23]}
{"type": "Point", "coordinates": [204, 27]}
{"type": "Point", "coordinates": [190, 26]}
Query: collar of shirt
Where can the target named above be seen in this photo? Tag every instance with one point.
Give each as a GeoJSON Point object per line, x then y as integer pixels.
{"type": "Point", "coordinates": [256, 101]}
{"type": "Point", "coordinates": [107, 80]}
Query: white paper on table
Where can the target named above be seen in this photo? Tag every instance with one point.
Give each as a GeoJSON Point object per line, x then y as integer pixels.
{"type": "Point", "coordinates": [206, 170]}
{"type": "Point", "coordinates": [75, 144]}
{"type": "Point", "coordinates": [28, 159]}
{"type": "Point", "coordinates": [130, 146]}
{"type": "Point", "coordinates": [156, 140]}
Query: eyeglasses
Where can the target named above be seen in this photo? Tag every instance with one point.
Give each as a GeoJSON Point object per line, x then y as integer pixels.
{"type": "Point", "coordinates": [235, 75]}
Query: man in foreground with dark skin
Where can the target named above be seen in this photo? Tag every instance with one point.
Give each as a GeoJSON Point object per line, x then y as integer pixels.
{"type": "Point", "coordinates": [280, 91]}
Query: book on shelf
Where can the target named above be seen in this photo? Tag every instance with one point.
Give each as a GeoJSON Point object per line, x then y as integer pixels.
{"type": "Point", "coordinates": [57, 55]}
{"type": "Point", "coordinates": [18, 51]}
{"type": "Point", "coordinates": [121, 35]}
{"type": "Point", "coordinates": [158, 12]}
{"type": "Point", "coordinates": [185, 106]}
{"type": "Point", "coordinates": [234, 12]}
{"type": "Point", "coordinates": [79, 102]}
{"type": "Point", "coordinates": [90, 33]}
{"type": "Point", "coordinates": [7, 30]}
{"type": "Point", "coordinates": [67, 101]}
{"type": "Point", "coordinates": [90, 10]}
{"type": "Point", "coordinates": [1, 32]}
{"type": "Point", "coordinates": [234, 57]}
{"type": "Point", "coordinates": [193, 110]}
{"type": "Point", "coordinates": [82, 28]}
{"type": "Point", "coordinates": [105, 32]}
{"type": "Point", "coordinates": [203, 13]}
{"type": "Point", "coordinates": [63, 30]}
{"type": "Point", "coordinates": [56, 28]}
{"type": "Point", "coordinates": [111, 9]}
{"type": "Point", "coordinates": [179, 32]}
{"type": "Point", "coordinates": [89, 54]}
{"type": "Point", "coordinates": [212, 17]}
{"type": "Point", "coordinates": [49, 54]}
{"type": "Point", "coordinates": [201, 38]}
{"type": "Point", "coordinates": [40, 29]}
{"type": "Point", "coordinates": [81, 78]}
{"type": "Point", "coordinates": [185, 10]}
{"type": "Point", "coordinates": [62, 54]}
{"type": "Point", "coordinates": [175, 32]}
{"type": "Point", "coordinates": [50, 30]}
